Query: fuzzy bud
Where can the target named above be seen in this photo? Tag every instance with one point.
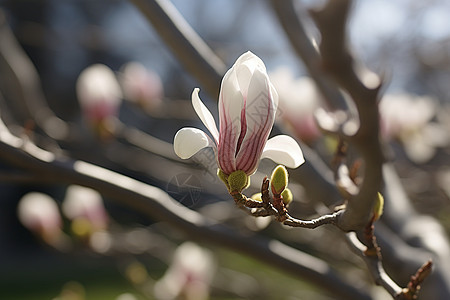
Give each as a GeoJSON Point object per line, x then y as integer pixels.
{"type": "Point", "coordinates": [287, 197]}
{"type": "Point", "coordinates": [378, 207]}
{"type": "Point", "coordinates": [237, 181]}
{"type": "Point", "coordinates": [279, 180]}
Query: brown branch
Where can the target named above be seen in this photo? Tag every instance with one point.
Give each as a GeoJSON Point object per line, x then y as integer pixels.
{"type": "Point", "coordinates": [24, 86]}
{"type": "Point", "coordinates": [158, 205]}
{"type": "Point", "coordinates": [271, 207]}
{"type": "Point", "coordinates": [302, 44]}
{"type": "Point", "coordinates": [373, 265]}
{"type": "Point", "coordinates": [195, 55]}
{"type": "Point", "coordinates": [362, 134]}
{"type": "Point", "coordinates": [413, 287]}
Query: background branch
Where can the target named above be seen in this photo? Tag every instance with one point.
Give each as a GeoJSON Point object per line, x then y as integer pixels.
{"type": "Point", "coordinates": [158, 205]}
{"type": "Point", "coordinates": [195, 55]}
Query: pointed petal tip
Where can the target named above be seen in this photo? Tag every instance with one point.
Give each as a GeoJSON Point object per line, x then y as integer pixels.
{"type": "Point", "coordinates": [204, 114]}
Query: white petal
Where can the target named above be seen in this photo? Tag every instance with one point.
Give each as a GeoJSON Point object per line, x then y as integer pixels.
{"type": "Point", "coordinates": [284, 150]}
{"type": "Point", "coordinates": [245, 66]}
{"type": "Point", "coordinates": [188, 141]}
{"type": "Point", "coordinates": [231, 103]}
{"type": "Point", "coordinates": [204, 114]}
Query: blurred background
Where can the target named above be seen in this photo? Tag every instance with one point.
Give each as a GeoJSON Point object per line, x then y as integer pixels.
{"type": "Point", "coordinates": [78, 245]}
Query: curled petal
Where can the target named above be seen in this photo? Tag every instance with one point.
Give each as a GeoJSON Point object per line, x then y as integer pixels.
{"type": "Point", "coordinates": [284, 150]}
{"type": "Point", "coordinates": [204, 114]}
{"type": "Point", "coordinates": [188, 141]}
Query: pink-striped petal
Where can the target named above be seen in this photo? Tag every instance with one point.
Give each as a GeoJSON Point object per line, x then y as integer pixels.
{"type": "Point", "coordinates": [259, 119]}
{"type": "Point", "coordinates": [231, 104]}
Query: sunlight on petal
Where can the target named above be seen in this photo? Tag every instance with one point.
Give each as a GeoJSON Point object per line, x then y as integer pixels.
{"type": "Point", "coordinates": [188, 141]}
{"type": "Point", "coordinates": [284, 150]}
{"type": "Point", "coordinates": [204, 114]}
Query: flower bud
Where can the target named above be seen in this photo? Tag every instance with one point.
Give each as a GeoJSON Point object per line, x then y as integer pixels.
{"type": "Point", "coordinates": [378, 207]}
{"type": "Point", "coordinates": [279, 180]}
{"type": "Point", "coordinates": [237, 181]}
{"type": "Point", "coordinates": [287, 196]}
{"type": "Point", "coordinates": [257, 197]}
{"type": "Point", "coordinates": [223, 177]}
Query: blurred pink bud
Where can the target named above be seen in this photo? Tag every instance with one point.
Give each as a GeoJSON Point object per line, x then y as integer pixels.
{"type": "Point", "coordinates": [98, 93]}
{"type": "Point", "coordinates": [40, 214]}
{"type": "Point", "coordinates": [409, 119]}
{"type": "Point", "coordinates": [87, 204]}
{"type": "Point", "coordinates": [247, 106]}
{"type": "Point", "coordinates": [403, 113]}
{"type": "Point", "coordinates": [142, 86]}
{"type": "Point", "coordinates": [189, 275]}
{"type": "Point", "coordinates": [299, 99]}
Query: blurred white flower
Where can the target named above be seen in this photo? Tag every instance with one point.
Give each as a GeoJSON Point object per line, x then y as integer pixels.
{"type": "Point", "coordinates": [409, 118]}
{"type": "Point", "coordinates": [84, 206]}
{"type": "Point", "coordinates": [40, 214]}
{"type": "Point", "coordinates": [126, 296]}
{"type": "Point", "coordinates": [189, 276]}
{"type": "Point", "coordinates": [142, 86]}
{"type": "Point", "coordinates": [99, 95]}
{"type": "Point", "coordinates": [298, 100]}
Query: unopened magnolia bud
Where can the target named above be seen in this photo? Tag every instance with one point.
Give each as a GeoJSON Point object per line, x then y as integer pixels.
{"type": "Point", "coordinates": [223, 177]}
{"type": "Point", "coordinates": [378, 207]}
{"type": "Point", "coordinates": [279, 179]}
{"type": "Point", "coordinates": [257, 197]}
{"type": "Point", "coordinates": [237, 181]}
{"type": "Point", "coordinates": [287, 197]}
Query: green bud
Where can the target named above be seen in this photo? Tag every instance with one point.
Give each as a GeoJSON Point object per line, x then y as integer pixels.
{"type": "Point", "coordinates": [378, 207]}
{"type": "Point", "coordinates": [223, 177]}
{"type": "Point", "coordinates": [257, 197]}
{"type": "Point", "coordinates": [237, 181]}
{"type": "Point", "coordinates": [279, 179]}
{"type": "Point", "coordinates": [287, 196]}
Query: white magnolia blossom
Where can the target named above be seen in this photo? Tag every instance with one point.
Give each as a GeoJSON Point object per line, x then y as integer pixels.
{"type": "Point", "coordinates": [299, 99]}
{"type": "Point", "coordinates": [141, 85]}
{"type": "Point", "coordinates": [409, 118]}
{"type": "Point", "coordinates": [189, 275]}
{"type": "Point", "coordinates": [247, 106]}
{"type": "Point", "coordinates": [98, 92]}
{"type": "Point", "coordinates": [39, 213]}
{"type": "Point", "coordinates": [85, 203]}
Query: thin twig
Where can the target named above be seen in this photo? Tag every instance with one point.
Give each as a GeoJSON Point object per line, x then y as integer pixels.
{"type": "Point", "coordinates": [158, 205]}
{"type": "Point", "coordinates": [25, 87]}
{"type": "Point", "coordinates": [374, 266]}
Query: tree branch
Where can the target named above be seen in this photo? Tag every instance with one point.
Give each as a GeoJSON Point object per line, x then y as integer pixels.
{"type": "Point", "coordinates": [198, 59]}
{"type": "Point", "coordinates": [302, 44]}
{"type": "Point", "coordinates": [158, 205]}
{"type": "Point", "coordinates": [24, 86]}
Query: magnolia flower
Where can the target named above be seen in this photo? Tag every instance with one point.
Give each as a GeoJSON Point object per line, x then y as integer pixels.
{"type": "Point", "coordinates": [299, 100]}
{"type": "Point", "coordinates": [189, 276]}
{"type": "Point", "coordinates": [409, 118]}
{"type": "Point", "coordinates": [247, 105]}
{"type": "Point", "coordinates": [84, 206]}
{"type": "Point", "coordinates": [99, 95]}
{"type": "Point", "coordinates": [39, 213]}
{"type": "Point", "coordinates": [142, 86]}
